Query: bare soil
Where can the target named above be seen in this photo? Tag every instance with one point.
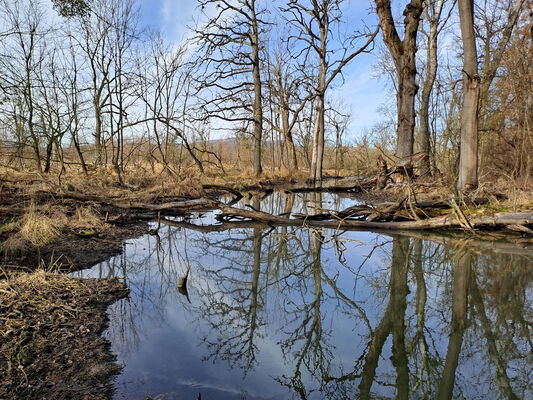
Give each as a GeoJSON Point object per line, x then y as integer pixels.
{"type": "Point", "coordinates": [50, 336]}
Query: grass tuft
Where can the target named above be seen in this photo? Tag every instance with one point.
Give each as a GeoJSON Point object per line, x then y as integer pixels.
{"type": "Point", "coordinates": [38, 228]}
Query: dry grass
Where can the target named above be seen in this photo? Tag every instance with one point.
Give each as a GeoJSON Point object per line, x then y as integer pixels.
{"type": "Point", "coordinates": [40, 228]}
{"type": "Point", "coordinates": [41, 225]}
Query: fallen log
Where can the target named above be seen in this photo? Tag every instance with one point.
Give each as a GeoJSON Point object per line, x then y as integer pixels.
{"type": "Point", "coordinates": [347, 184]}
{"type": "Point", "coordinates": [228, 189]}
{"type": "Point", "coordinates": [445, 221]}
{"type": "Point", "coordinates": [183, 205]}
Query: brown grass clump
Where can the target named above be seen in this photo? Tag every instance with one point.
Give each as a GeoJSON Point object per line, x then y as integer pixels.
{"type": "Point", "coordinates": [40, 228]}
{"type": "Point", "coordinates": [86, 218]}
{"type": "Point", "coordinates": [13, 244]}
{"type": "Point", "coordinates": [41, 225]}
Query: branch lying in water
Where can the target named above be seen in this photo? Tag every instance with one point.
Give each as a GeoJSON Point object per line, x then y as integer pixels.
{"type": "Point", "coordinates": [505, 219]}
{"type": "Point", "coordinates": [357, 217]}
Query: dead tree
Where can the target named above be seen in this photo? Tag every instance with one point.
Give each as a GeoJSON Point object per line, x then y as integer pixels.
{"type": "Point", "coordinates": [230, 66]}
{"type": "Point", "coordinates": [315, 23]}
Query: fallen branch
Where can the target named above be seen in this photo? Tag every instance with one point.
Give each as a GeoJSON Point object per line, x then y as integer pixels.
{"type": "Point", "coordinates": [184, 205]}
{"type": "Point", "coordinates": [445, 221]}
{"type": "Point", "coordinates": [234, 192]}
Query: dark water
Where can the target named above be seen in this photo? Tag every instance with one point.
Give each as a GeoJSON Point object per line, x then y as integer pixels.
{"type": "Point", "coordinates": [297, 313]}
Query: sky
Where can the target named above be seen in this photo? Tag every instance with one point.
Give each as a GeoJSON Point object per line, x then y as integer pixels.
{"type": "Point", "coordinates": [361, 92]}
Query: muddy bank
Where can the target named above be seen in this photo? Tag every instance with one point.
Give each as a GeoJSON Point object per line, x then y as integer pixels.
{"type": "Point", "coordinates": [50, 336]}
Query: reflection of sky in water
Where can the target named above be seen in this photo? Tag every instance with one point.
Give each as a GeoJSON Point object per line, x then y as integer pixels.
{"type": "Point", "coordinates": [175, 349]}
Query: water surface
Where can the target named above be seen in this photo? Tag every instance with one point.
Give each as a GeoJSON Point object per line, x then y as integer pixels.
{"type": "Point", "coordinates": [298, 313]}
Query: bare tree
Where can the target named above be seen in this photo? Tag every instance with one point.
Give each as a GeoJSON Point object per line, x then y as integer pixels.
{"type": "Point", "coordinates": [287, 85]}
{"type": "Point", "coordinates": [315, 21]}
{"type": "Point", "coordinates": [403, 53]}
{"type": "Point", "coordinates": [231, 65]}
{"type": "Point", "coordinates": [26, 52]}
{"type": "Point", "coordinates": [432, 14]}
{"type": "Point", "coordinates": [494, 29]}
{"type": "Point", "coordinates": [93, 39]}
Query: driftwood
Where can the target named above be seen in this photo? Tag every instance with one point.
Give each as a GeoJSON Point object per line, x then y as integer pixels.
{"type": "Point", "coordinates": [403, 167]}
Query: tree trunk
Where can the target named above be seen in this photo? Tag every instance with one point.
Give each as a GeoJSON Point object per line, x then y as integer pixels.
{"type": "Point", "coordinates": [315, 174]}
{"type": "Point", "coordinates": [431, 73]}
{"type": "Point", "coordinates": [468, 158]}
{"type": "Point", "coordinates": [258, 107]}
{"type": "Point", "coordinates": [98, 132]}
{"type": "Point", "coordinates": [79, 152]}
{"type": "Point", "coordinates": [403, 53]}
{"type": "Point", "coordinates": [288, 137]}
{"type": "Point", "coordinates": [48, 156]}
{"type": "Point", "coordinates": [407, 89]}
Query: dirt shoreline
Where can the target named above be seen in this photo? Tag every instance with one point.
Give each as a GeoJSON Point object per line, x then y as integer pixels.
{"type": "Point", "coordinates": [50, 344]}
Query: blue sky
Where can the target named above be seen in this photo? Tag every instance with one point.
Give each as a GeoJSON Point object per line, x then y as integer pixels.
{"type": "Point", "coordinates": [360, 91]}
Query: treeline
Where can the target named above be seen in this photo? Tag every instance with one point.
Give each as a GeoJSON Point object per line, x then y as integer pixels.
{"type": "Point", "coordinates": [83, 85]}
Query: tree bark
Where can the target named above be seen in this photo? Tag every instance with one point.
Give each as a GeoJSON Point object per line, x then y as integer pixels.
{"type": "Point", "coordinates": [403, 54]}
{"type": "Point", "coordinates": [258, 107]}
{"type": "Point", "coordinates": [468, 158]}
{"type": "Point", "coordinates": [315, 174]}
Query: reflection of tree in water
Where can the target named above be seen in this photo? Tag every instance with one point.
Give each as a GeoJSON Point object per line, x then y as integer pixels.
{"type": "Point", "coordinates": [307, 342]}
{"type": "Point", "coordinates": [503, 317]}
{"type": "Point", "coordinates": [151, 278]}
{"type": "Point", "coordinates": [430, 333]}
{"type": "Point", "coordinates": [234, 300]}
{"type": "Point", "coordinates": [441, 308]}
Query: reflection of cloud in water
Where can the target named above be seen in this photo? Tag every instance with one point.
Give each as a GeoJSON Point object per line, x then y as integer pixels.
{"type": "Point", "coordinates": [313, 322]}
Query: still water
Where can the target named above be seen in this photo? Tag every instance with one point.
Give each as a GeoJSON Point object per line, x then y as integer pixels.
{"type": "Point", "coordinates": [297, 313]}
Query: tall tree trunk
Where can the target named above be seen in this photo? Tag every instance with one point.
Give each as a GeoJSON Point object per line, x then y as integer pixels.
{"type": "Point", "coordinates": [258, 107]}
{"type": "Point", "coordinates": [403, 53]}
{"type": "Point", "coordinates": [431, 73]}
{"type": "Point", "coordinates": [288, 137]}
{"type": "Point", "coordinates": [468, 158]}
{"type": "Point", "coordinates": [315, 174]}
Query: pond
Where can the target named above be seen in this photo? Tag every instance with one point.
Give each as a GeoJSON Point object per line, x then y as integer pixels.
{"type": "Point", "coordinates": [298, 313]}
